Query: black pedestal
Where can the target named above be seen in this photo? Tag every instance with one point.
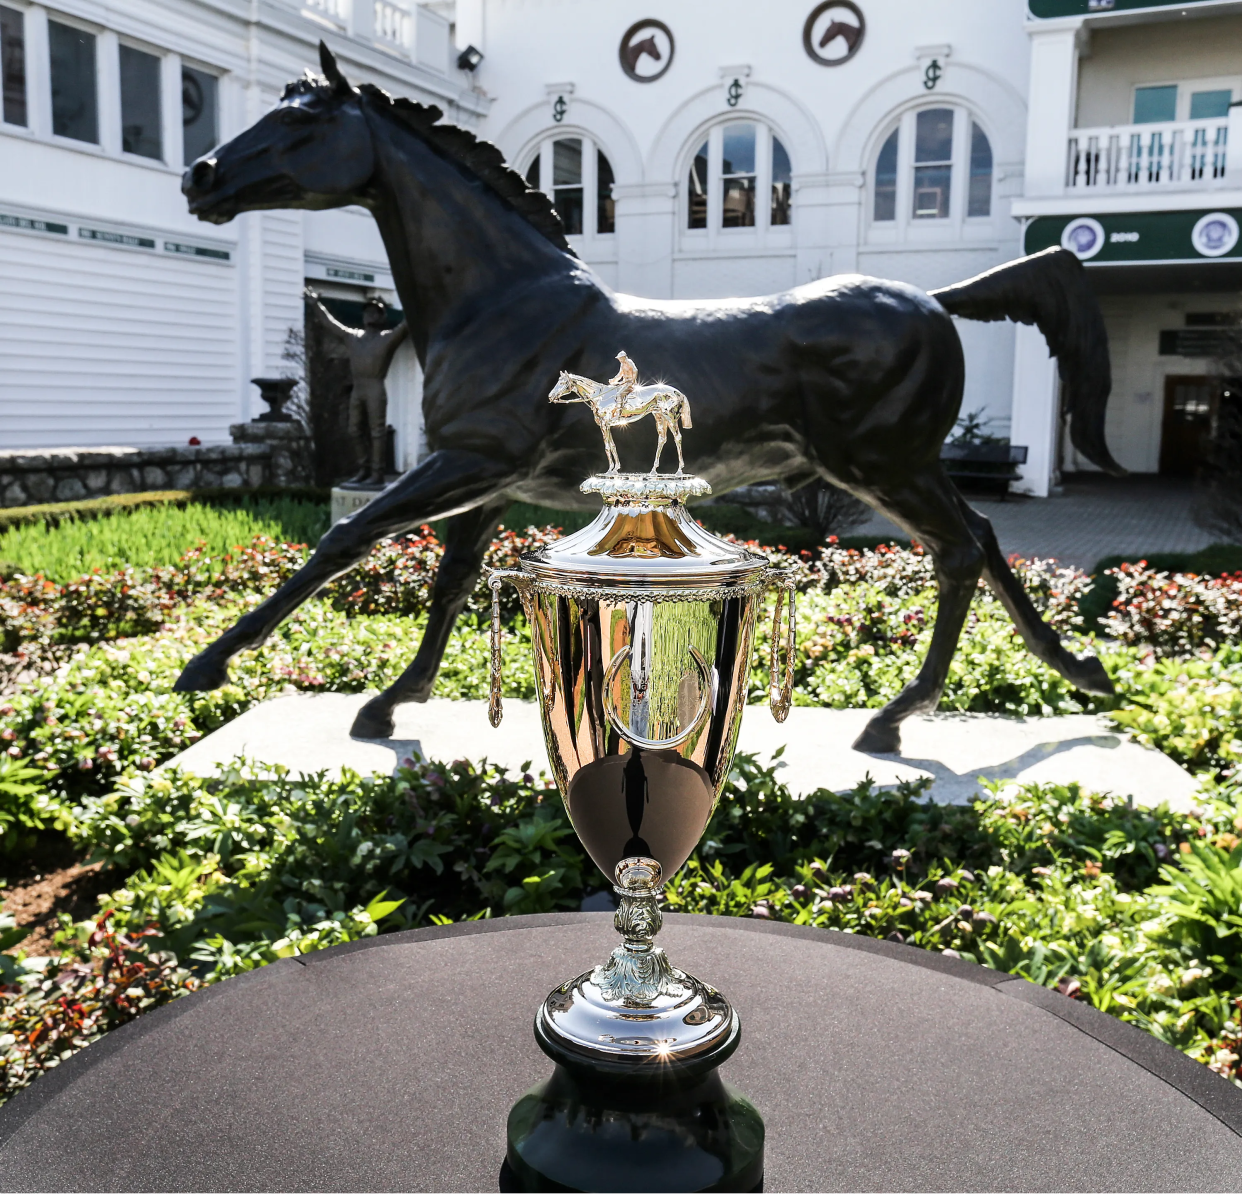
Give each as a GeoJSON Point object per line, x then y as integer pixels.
{"type": "Point", "coordinates": [579, 1132]}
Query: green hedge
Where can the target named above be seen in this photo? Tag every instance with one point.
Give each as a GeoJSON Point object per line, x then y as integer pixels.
{"type": "Point", "coordinates": [54, 513]}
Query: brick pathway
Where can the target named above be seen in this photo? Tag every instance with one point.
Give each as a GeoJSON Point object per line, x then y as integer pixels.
{"type": "Point", "coordinates": [1092, 517]}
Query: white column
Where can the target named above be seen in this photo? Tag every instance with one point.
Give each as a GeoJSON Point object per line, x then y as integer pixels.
{"type": "Point", "coordinates": [471, 25]}
{"type": "Point", "coordinates": [844, 213]}
{"type": "Point", "coordinates": [170, 102]}
{"type": "Point", "coordinates": [646, 232]}
{"type": "Point", "coordinates": [1233, 152]}
{"type": "Point", "coordinates": [1036, 399]}
{"type": "Point", "coordinates": [1051, 106]}
{"type": "Point", "coordinates": [108, 81]}
{"type": "Point", "coordinates": [814, 222]}
{"type": "Point", "coordinates": [405, 406]}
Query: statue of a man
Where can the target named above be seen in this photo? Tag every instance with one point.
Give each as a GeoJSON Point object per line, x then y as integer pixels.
{"type": "Point", "coordinates": [371, 350]}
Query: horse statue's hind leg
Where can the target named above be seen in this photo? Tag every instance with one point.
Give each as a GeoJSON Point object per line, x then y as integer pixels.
{"type": "Point", "coordinates": [681, 460]}
{"type": "Point", "coordinates": [446, 482]}
{"type": "Point", "coordinates": [964, 548]}
{"type": "Point", "coordinates": [1083, 672]}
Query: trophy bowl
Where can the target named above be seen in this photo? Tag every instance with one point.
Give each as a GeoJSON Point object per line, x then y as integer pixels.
{"type": "Point", "coordinates": [642, 626]}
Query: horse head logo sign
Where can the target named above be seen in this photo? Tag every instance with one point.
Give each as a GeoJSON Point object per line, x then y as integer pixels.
{"type": "Point", "coordinates": [834, 31]}
{"type": "Point", "coordinates": [646, 51]}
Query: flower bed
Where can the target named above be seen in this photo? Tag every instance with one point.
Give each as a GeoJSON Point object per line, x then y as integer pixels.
{"type": "Point", "coordinates": [1129, 910]}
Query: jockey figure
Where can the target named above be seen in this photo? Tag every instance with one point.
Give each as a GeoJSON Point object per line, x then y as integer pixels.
{"type": "Point", "coordinates": [625, 380]}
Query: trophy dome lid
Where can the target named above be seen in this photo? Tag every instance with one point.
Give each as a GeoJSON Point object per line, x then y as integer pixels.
{"type": "Point", "coordinates": [645, 537]}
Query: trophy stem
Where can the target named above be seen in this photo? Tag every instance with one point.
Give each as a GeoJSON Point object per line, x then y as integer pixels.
{"type": "Point", "coordinates": [638, 972]}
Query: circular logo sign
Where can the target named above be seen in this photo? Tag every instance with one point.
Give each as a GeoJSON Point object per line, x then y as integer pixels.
{"type": "Point", "coordinates": [646, 51]}
{"type": "Point", "coordinates": [834, 32]}
{"type": "Point", "coordinates": [1214, 234]}
{"type": "Point", "coordinates": [1083, 237]}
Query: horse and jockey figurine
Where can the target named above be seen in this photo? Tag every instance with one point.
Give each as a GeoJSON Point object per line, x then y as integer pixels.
{"type": "Point", "coordinates": [621, 401]}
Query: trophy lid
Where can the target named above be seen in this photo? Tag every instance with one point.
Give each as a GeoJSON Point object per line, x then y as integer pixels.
{"type": "Point", "coordinates": [644, 536]}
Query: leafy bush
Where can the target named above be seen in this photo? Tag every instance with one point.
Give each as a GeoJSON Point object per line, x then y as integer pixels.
{"type": "Point", "coordinates": [25, 806]}
{"type": "Point", "coordinates": [237, 870]}
{"type": "Point", "coordinates": [1174, 614]}
{"type": "Point", "coordinates": [1191, 709]}
{"type": "Point", "coordinates": [1134, 911]}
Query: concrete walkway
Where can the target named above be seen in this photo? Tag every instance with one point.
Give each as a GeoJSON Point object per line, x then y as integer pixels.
{"type": "Point", "coordinates": [310, 732]}
{"type": "Point", "coordinates": [1092, 517]}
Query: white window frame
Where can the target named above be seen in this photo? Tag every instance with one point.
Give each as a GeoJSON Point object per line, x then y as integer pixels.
{"type": "Point", "coordinates": [107, 86]}
{"type": "Point", "coordinates": [957, 226]}
{"type": "Point", "coordinates": [27, 129]}
{"type": "Point", "coordinates": [108, 44]}
{"type": "Point", "coordinates": [763, 234]}
{"type": "Point", "coordinates": [162, 57]}
{"type": "Point", "coordinates": [589, 238]}
{"type": "Point", "coordinates": [1186, 88]}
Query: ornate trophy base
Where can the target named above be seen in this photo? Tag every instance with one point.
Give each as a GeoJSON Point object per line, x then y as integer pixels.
{"type": "Point", "coordinates": [635, 1102]}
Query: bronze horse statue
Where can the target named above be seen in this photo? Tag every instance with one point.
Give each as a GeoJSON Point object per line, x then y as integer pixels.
{"type": "Point", "coordinates": [850, 379]}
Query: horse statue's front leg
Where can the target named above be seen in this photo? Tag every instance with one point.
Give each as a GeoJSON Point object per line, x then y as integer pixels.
{"type": "Point", "coordinates": [614, 461]}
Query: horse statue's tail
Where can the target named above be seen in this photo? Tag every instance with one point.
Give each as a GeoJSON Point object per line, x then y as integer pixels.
{"type": "Point", "coordinates": [684, 414]}
{"type": "Point", "coordinates": [1050, 290]}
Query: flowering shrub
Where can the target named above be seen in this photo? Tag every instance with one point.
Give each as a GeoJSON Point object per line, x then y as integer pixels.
{"type": "Point", "coordinates": [51, 1008]}
{"type": "Point", "coordinates": [110, 710]}
{"type": "Point", "coordinates": [1174, 614]}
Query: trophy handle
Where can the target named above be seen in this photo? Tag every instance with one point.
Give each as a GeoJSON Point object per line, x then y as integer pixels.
{"type": "Point", "coordinates": [705, 688]}
{"type": "Point", "coordinates": [780, 689]}
{"type": "Point", "coordinates": [495, 579]}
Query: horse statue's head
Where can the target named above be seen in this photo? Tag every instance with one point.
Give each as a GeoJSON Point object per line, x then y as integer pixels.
{"type": "Point", "coordinates": [566, 389]}
{"type": "Point", "coordinates": [313, 150]}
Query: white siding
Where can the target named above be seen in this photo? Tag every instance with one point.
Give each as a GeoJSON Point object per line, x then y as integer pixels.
{"type": "Point", "coordinates": [102, 345]}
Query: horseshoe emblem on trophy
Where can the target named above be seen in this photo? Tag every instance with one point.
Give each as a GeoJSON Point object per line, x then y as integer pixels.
{"type": "Point", "coordinates": [706, 688]}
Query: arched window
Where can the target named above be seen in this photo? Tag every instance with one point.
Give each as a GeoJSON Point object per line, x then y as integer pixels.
{"type": "Point", "coordinates": [886, 180]}
{"type": "Point", "coordinates": [979, 201]}
{"type": "Point", "coordinates": [936, 165]}
{"type": "Point", "coordinates": [578, 177]}
{"type": "Point", "coordinates": [740, 177]}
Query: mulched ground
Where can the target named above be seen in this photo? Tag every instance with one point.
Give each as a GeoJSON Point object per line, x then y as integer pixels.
{"type": "Point", "coordinates": [51, 880]}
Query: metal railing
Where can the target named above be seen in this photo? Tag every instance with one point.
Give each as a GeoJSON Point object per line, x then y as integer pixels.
{"type": "Point", "coordinates": [1189, 153]}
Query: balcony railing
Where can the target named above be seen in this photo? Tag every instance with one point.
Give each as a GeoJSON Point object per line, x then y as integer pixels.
{"type": "Point", "coordinates": [335, 11]}
{"type": "Point", "coordinates": [402, 27]}
{"type": "Point", "coordinates": [393, 25]}
{"type": "Point", "coordinates": [1142, 157]}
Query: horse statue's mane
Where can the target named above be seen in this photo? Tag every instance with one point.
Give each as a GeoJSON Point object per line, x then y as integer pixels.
{"type": "Point", "coordinates": [483, 159]}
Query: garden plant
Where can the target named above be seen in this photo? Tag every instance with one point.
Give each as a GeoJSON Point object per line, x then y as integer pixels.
{"type": "Point", "coordinates": [1135, 911]}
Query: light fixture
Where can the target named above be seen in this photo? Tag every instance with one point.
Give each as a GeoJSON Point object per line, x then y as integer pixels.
{"type": "Point", "coordinates": [469, 58]}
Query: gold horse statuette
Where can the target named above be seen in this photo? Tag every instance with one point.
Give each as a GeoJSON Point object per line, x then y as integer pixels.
{"type": "Point", "coordinates": [621, 401]}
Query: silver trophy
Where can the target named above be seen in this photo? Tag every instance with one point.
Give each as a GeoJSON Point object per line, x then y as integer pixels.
{"type": "Point", "coordinates": [642, 626]}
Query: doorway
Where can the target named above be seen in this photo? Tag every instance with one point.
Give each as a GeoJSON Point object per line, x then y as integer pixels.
{"type": "Point", "coordinates": [1189, 412]}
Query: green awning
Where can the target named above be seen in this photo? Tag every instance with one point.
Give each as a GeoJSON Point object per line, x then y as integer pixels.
{"type": "Point", "coordinates": [1204, 235]}
{"type": "Point", "coordinates": [1094, 8]}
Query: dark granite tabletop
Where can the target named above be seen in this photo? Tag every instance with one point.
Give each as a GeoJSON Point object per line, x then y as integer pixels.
{"type": "Point", "coordinates": [390, 1064]}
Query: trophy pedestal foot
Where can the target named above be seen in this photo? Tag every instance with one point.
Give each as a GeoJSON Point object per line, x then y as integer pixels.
{"type": "Point", "coordinates": [668, 1131]}
{"type": "Point", "coordinates": [635, 1102]}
